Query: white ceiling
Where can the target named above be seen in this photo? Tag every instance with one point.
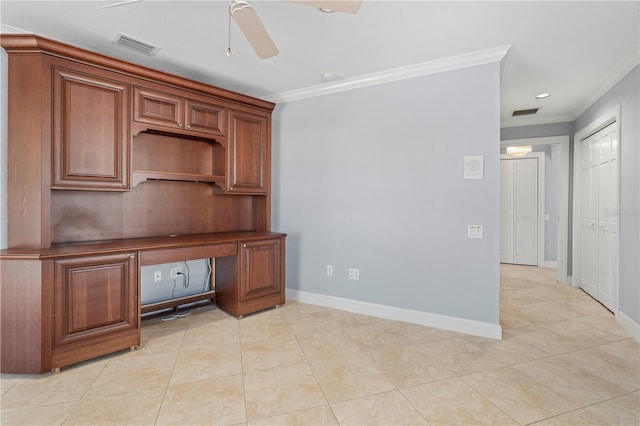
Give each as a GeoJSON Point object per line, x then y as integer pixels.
{"type": "Point", "coordinates": [574, 50]}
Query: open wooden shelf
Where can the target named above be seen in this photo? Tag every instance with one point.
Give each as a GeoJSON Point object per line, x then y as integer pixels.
{"type": "Point", "coordinates": [142, 175]}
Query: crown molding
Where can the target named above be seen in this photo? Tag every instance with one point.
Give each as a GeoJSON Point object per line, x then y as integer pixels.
{"type": "Point", "coordinates": [481, 57]}
{"type": "Point", "coordinates": [618, 73]}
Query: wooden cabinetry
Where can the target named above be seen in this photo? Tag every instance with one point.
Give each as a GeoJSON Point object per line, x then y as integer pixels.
{"type": "Point", "coordinates": [254, 281]}
{"type": "Point", "coordinates": [259, 270]}
{"type": "Point", "coordinates": [90, 128]}
{"type": "Point", "coordinates": [171, 111]}
{"type": "Point", "coordinates": [248, 153]}
{"type": "Point", "coordinates": [95, 301]}
{"type": "Point", "coordinates": [168, 157]}
{"type": "Point", "coordinates": [84, 132]}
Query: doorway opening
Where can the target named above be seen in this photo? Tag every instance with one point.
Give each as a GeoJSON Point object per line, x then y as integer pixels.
{"type": "Point", "coordinates": [559, 149]}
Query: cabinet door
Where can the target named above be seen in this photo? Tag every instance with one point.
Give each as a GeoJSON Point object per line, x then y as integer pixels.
{"type": "Point", "coordinates": [205, 117]}
{"type": "Point", "coordinates": [158, 108]}
{"type": "Point", "coordinates": [248, 151]}
{"type": "Point", "coordinates": [90, 130]}
{"type": "Point", "coordinates": [260, 272]}
{"type": "Point", "coordinates": [175, 113]}
{"type": "Point", "coordinates": [94, 297]}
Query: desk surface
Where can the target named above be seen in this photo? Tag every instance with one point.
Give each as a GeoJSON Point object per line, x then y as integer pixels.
{"type": "Point", "coordinates": [133, 244]}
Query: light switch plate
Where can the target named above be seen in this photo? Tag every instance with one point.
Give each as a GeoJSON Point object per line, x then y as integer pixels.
{"type": "Point", "coordinates": [475, 231]}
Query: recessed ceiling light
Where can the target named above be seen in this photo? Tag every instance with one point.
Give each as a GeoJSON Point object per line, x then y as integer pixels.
{"type": "Point", "coordinates": [542, 96]}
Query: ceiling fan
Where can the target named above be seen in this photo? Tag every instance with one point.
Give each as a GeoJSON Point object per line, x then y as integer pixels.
{"type": "Point", "coordinates": [253, 29]}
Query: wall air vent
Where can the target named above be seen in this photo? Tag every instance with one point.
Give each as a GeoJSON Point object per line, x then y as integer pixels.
{"type": "Point", "coordinates": [521, 112]}
{"type": "Point", "coordinates": [137, 45]}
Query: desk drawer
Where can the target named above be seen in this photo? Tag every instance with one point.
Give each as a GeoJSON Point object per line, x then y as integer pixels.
{"type": "Point", "coordinates": [154, 257]}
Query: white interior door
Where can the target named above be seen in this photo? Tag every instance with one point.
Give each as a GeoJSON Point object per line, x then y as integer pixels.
{"type": "Point", "coordinates": [519, 211]}
{"type": "Point", "coordinates": [506, 211]}
{"type": "Point", "coordinates": [599, 216]}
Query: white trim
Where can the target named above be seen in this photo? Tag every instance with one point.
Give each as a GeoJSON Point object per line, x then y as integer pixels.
{"type": "Point", "coordinates": [460, 325]}
{"type": "Point", "coordinates": [481, 57]}
{"type": "Point", "coordinates": [563, 193]}
{"type": "Point", "coordinates": [611, 116]}
{"type": "Point", "coordinates": [628, 324]}
{"type": "Point", "coordinates": [618, 73]}
{"type": "Point", "coordinates": [550, 264]}
{"type": "Point", "coordinates": [541, 225]}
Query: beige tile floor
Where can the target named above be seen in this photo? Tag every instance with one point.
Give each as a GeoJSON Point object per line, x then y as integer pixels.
{"type": "Point", "coordinates": [563, 360]}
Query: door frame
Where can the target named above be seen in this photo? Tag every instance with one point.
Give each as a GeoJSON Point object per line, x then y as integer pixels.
{"type": "Point", "coordinates": [604, 120]}
{"type": "Point", "coordinates": [563, 194]}
{"type": "Point", "coordinates": [540, 195]}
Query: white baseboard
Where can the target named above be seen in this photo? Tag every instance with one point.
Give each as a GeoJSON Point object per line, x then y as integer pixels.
{"type": "Point", "coordinates": [460, 325]}
{"type": "Point", "coordinates": [551, 264]}
{"type": "Point", "coordinates": [628, 324]}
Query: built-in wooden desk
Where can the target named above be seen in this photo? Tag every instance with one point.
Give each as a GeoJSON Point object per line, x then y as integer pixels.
{"type": "Point", "coordinates": [72, 302]}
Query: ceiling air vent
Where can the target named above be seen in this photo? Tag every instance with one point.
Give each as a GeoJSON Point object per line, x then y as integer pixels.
{"type": "Point", "coordinates": [521, 112]}
{"type": "Point", "coordinates": [137, 45]}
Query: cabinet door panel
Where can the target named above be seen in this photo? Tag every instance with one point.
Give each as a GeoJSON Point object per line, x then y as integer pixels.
{"type": "Point", "coordinates": [260, 274]}
{"type": "Point", "coordinates": [153, 107]}
{"type": "Point", "coordinates": [205, 117]}
{"type": "Point", "coordinates": [91, 136]}
{"type": "Point", "coordinates": [94, 297]}
{"type": "Point", "coordinates": [248, 153]}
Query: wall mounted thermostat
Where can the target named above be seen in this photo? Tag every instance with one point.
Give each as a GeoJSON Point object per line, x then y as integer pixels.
{"type": "Point", "coordinates": [474, 167]}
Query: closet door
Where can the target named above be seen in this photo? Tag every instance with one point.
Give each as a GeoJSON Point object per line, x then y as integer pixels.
{"type": "Point", "coordinates": [519, 211]}
{"type": "Point", "coordinates": [599, 225]}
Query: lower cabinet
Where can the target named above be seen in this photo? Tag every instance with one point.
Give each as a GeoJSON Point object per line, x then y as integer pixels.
{"type": "Point", "coordinates": [72, 303]}
{"type": "Point", "coordinates": [95, 307]}
{"type": "Point", "coordinates": [253, 280]}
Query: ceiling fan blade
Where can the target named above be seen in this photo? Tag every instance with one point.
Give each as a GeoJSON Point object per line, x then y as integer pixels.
{"type": "Point", "coordinates": [344, 6]}
{"type": "Point", "coordinates": [120, 3]}
{"type": "Point", "coordinates": [252, 28]}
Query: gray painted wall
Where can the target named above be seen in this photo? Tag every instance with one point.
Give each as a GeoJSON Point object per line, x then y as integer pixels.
{"type": "Point", "coordinates": [372, 178]}
{"type": "Point", "coordinates": [537, 131]}
{"type": "Point", "coordinates": [626, 94]}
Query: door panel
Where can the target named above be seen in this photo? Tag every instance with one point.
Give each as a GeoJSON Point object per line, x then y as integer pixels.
{"type": "Point", "coordinates": [519, 211]}
{"type": "Point", "coordinates": [526, 211]}
{"type": "Point", "coordinates": [91, 131]}
{"type": "Point", "coordinates": [599, 216]}
{"type": "Point", "coordinates": [506, 211]}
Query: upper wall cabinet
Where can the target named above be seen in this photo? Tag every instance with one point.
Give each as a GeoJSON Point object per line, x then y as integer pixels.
{"type": "Point", "coordinates": [248, 153]}
{"type": "Point", "coordinates": [91, 136]}
{"type": "Point", "coordinates": [163, 110]}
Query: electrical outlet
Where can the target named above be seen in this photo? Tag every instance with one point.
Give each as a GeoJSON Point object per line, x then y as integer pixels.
{"type": "Point", "coordinates": [354, 274]}
{"type": "Point", "coordinates": [330, 270]}
{"type": "Point", "coordinates": [157, 276]}
{"type": "Point", "coordinates": [174, 272]}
